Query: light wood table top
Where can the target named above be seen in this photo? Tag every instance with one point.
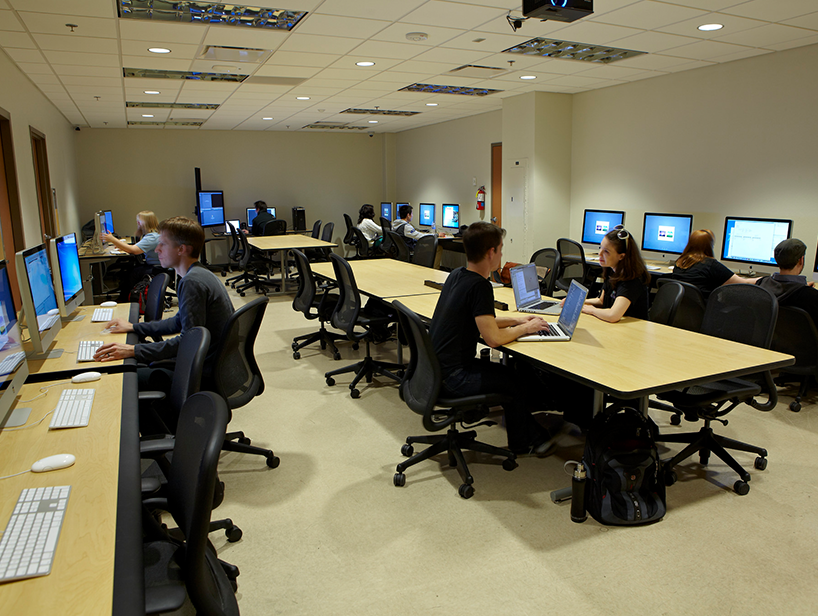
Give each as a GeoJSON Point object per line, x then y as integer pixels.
{"type": "Point", "coordinates": [387, 278]}
{"type": "Point", "coordinates": [654, 266]}
{"type": "Point", "coordinates": [287, 242]}
{"type": "Point", "coordinates": [81, 581]}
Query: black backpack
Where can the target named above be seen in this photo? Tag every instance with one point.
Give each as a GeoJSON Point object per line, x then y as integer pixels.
{"type": "Point", "coordinates": [624, 484]}
{"type": "Point", "coordinates": [139, 293]}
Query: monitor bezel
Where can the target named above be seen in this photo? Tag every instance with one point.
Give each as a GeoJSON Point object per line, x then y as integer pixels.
{"type": "Point", "coordinates": [66, 307]}
{"type": "Point", "coordinates": [727, 220]}
{"type": "Point", "coordinates": [252, 209]}
{"type": "Point", "coordinates": [668, 215]}
{"type": "Point", "coordinates": [584, 217]}
{"type": "Point", "coordinates": [40, 342]}
{"type": "Point", "coordinates": [104, 212]}
{"type": "Point", "coordinates": [434, 214]}
{"type": "Point", "coordinates": [199, 193]}
{"type": "Point", "coordinates": [443, 207]}
{"type": "Point", "coordinates": [396, 211]}
{"type": "Point", "coordinates": [391, 209]}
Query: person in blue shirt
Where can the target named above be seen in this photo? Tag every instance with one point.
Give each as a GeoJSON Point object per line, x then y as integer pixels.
{"type": "Point", "coordinates": [147, 234]}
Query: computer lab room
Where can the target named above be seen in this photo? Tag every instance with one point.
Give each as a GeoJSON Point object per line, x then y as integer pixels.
{"type": "Point", "coordinates": [255, 414]}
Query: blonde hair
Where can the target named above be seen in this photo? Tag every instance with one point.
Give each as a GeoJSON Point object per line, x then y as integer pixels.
{"type": "Point", "coordinates": [148, 221]}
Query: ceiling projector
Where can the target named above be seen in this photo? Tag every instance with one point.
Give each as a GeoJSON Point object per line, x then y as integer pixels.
{"type": "Point", "coordinates": [558, 10]}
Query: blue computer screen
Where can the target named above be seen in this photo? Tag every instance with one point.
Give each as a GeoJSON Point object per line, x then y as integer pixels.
{"type": "Point", "coordinates": [427, 214]}
{"type": "Point", "coordinates": [211, 208]}
{"type": "Point", "coordinates": [109, 222]}
{"type": "Point", "coordinates": [7, 312]}
{"type": "Point", "coordinates": [9, 333]}
{"type": "Point", "coordinates": [397, 209]}
{"type": "Point", "coordinates": [753, 240]}
{"type": "Point", "coordinates": [39, 280]}
{"type": "Point", "coordinates": [596, 223]}
{"type": "Point", "coordinates": [386, 210]}
{"type": "Point", "coordinates": [451, 215]}
{"type": "Point", "coordinates": [666, 232]}
{"type": "Point", "coordinates": [251, 214]}
{"type": "Point", "coordinates": [69, 263]}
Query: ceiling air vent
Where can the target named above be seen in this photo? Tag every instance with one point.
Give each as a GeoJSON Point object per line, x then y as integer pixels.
{"type": "Point", "coordinates": [235, 54]}
{"type": "Point", "coordinates": [149, 73]}
{"type": "Point", "coordinates": [335, 126]}
{"type": "Point", "coordinates": [477, 72]}
{"type": "Point", "coordinates": [210, 13]}
{"type": "Point", "coordinates": [276, 81]}
{"type": "Point", "coordinates": [169, 123]}
{"type": "Point", "coordinates": [384, 112]}
{"type": "Point", "coordinates": [433, 89]}
{"type": "Point", "coordinates": [567, 50]}
{"type": "Point", "coordinates": [172, 105]}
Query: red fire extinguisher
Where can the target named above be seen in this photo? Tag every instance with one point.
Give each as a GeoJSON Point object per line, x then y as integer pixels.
{"type": "Point", "coordinates": [481, 198]}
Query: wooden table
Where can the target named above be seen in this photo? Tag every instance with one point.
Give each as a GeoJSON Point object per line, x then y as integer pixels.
{"type": "Point", "coordinates": [273, 243]}
{"type": "Point", "coordinates": [387, 278]}
{"type": "Point", "coordinates": [97, 566]}
{"type": "Point", "coordinates": [88, 259]}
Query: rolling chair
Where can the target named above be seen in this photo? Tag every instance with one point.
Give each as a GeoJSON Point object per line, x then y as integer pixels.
{"type": "Point", "coordinates": [307, 301]}
{"type": "Point", "coordinates": [573, 265]}
{"type": "Point", "coordinates": [690, 312]}
{"type": "Point", "coordinates": [742, 313]}
{"type": "Point", "coordinates": [277, 226]}
{"type": "Point", "coordinates": [386, 224]}
{"type": "Point", "coordinates": [322, 254]}
{"type": "Point", "coordinates": [256, 268]}
{"type": "Point", "coordinates": [349, 236]}
{"type": "Point", "coordinates": [316, 229]}
{"type": "Point", "coordinates": [155, 304]}
{"type": "Point", "coordinates": [398, 248]}
{"type": "Point", "coordinates": [796, 334]}
{"type": "Point", "coordinates": [363, 251]}
{"type": "Point", "coordinates": [388, 246]}
{"type": "Point", "coordinates": [425, 251]}
{"type": "Point", "coordinates": [420, 389]}
{"type": "Point", "coordinates": [666, 303]}
{"type": "Point", "coordinates": [548, 258]}
{"type": "Point", "coordinates": [235, 254]}
{"type": "Point", "coordinates": [349, 314]}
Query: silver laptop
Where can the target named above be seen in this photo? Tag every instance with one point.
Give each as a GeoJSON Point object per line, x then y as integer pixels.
{"type": "Point", "coordinates": [563, 329]}
{"type": "Point", "coordinates": [527, 291]}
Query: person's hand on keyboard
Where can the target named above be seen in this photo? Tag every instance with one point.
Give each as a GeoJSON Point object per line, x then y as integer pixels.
{"type": "Point", "coordinates": [119, 326]}
{"type": "Point", "coordinates": [113, 351]}
{"type": "Point", "coordinates": [532, 323]}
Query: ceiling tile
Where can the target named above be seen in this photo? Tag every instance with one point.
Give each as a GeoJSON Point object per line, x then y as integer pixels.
{"type": "Point", "coordinates": [215, 66]}
{"type": "Point", "coordinates": [650, 15]}
{"type": "Point", "coordinates": [292, 58]}
{"type": "Point", "coordinates": [90, 71]}
{"type": "Point", "coordinates": [594, 33]}
{"type": "Point", "coordinates": [155, 62]}
{"type": "Point", "coordinates": [89, 8]}
{"type": "Point", "coordinates": [43, 23]}
{"type": "Point", "coordinates": [430, 68]}
{"type": "Point", "coordinates": [45, 79]}
{"type": "Point", "coordinates": [810, 40]}
{"type": "Point", "coordinates": [320, 44]}
{"type": "Point", "coordinates": [491, 43]}
{"type": "Point", "coordinates": [807, 21]}
{"type": "Point", "coordinates": [35, 69]}
{"type": "Point", "coordinates": [653, 42]}
{"type": "Point", "coordinates": [709, 5]}
{"type": "Point", "coordinates": [231, 36]}
{"type": "Point", "coordinates": [763, 36]}
{"type": "Point", "coordinates": [82, 59]}
{"type": "Point", "coordinates": [396, 33]}
{"type": "Point", "coordinates": [26, 55]}
{"type": "Point", "coordinates": [458, 56]}
{"type": "Point", "coordinates": [84, 44]}
{"type": "Point", "coordinates": [8, 21]}
{"type": "Point", "coordinates": [706, 50]}
{"type": "Point", "coordinates": [332, 25]}
{"type": "Point", "coordinates": [304, 72]}
{"type": "Point", "coordinates": [76, 80]}
{"type": "Point", "coordinates": [654, 62]}
{"type": "Point", "coordinates": [747, 52]}
{"type": "Point", "coordinates": [161, 32]}
{"type": "Point", "coordinates": [383, 49]}
{"type": "Point", "coordinates": [404, 78]}
{"type": "Point", "coordinates": [16, 40]}
{"type": "Point", "coordinates": [731, 23]}
{"type": "Point", "coordinates": [349, 62]}
{"type": "Point", "coordinates": [390, 10]}
{"type": "Point", "coordinates": [454, 14]}
{"type": "Point", "coordinates": [178, 51]}
{"type": "Point", "coordinates": [782, 9]}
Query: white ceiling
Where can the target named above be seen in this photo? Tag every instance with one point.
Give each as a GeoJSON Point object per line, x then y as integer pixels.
{"type": "Point", "coordinates": [81, 72]}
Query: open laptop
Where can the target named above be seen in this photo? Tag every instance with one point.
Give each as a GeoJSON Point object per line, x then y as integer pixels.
{"type": "Point", "coordinates": [563, 330]}
{"type": "Point", "coordinates": [527, 291]}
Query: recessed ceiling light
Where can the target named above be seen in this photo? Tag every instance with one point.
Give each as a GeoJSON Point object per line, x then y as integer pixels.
{"type": "Point", "coordinates": [373, 121]}
{"type": "Point", "coordinates": [152, 92]}
{"type": "Point", "coordinates": [431, 104]}
{"type": "Point", "coordinates": [266, 118]}
{"type": "Point", "coordinates": [528, 77]}
{"type": "Point", "coordinates": [147, 115]}
{"type": "Point", "coordinates": [364, 64]}
{"type": "Point", "coordinates": [710, 27]}
{"type": "Point", "coordinates": [158, 50]}
{"type": "Point", "coordinates": [302, 98]}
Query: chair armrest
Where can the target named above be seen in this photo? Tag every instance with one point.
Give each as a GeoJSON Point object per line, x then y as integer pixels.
{"type": "Point", "coordinates": [150, 485]}
{"type": "Point", "coordinates": [151, 396]}
{"type": "Point", "coordinates": [772, 394]}
{"type": "Point", "coordinates": [157, 447]}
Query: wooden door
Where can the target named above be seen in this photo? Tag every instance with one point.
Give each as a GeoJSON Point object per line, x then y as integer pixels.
{"type": "Point", "coordinates": [48, 215]}
{"type": "Point", "coordinates": [10, 216]}
{"type": "Point", "coordinates": [496, 196]}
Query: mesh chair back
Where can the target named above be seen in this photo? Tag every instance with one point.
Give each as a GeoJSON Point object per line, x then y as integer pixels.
{"type": "Point", "coordinates": [741, 313]}
{"type": "Point", "coordinates": [386, 225]}
{"type": "Point", "coordinates": [277, 226]}
{"type": "Point", "coordinates": [397, 247]}
{"type": "Point", "coordinates": [425, 251]}
{"type": "Point", "coordinates": [361, 243]}
{"type": "Point", "coordinates": [346, 312]}
{"type": "Point", "coordinates": [550, 258]}
{"type": "Point", "coordinates": [572, 264]}
{"type": "Point", "coordinates": [234, 254]}
{"type": "Point", "coordinates": [305, 296]}
{"type": "Point", "coordinates": [388, 244]}
{"type": "Point", "coordinates": [246, 252]}
{"type": "Point", "coordinates": [349, 237]}
{"type": "Point", "coordinates": [155, 304]}
{"type": "Point", "coordinates": [187, 376]}
{"type": "Point", "coordinates": [421, 384]}
{"type": "Point", "coordinates": [690, 312]}
{"type": "Point", "coordinates": [316, 229]}
{"type": "Point", "coordinates": [326, 234]}
{"type": "Point", "coordinates": [665, 303]}
{"type": "Point", "coordinates": [796, 334]}
{"type": "Point", "coordinates": [236, 375]}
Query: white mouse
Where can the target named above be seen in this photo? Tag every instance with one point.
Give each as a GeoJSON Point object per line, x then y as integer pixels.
{"type": "Point", "coordinates": [108, 304]}
{"type": "Point", "coordinates": [86, 377]}
{"type": "Point", "coordinates": [54, 311]}
{"type": "Point", "coordinates": [53, 463]}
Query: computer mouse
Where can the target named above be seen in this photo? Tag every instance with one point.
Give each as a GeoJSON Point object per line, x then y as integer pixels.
{"type": "Point", "coordinates": [53, 463]}
{"type": "Point", "coordinates": [107, 330]}
{"type": "Point", "coordinates": [54, 311]}
{"type": "Point", "coordinates": [108, 304]}
{"type": "Point", "coordinates": [86, 377]}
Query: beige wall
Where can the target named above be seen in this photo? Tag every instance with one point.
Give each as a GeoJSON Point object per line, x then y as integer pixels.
{"type": "Point", "coordinates": [30, 108]}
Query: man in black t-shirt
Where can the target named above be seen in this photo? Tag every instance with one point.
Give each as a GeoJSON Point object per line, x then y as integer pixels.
{"type": "Point", "coordinates": [262, 218]}
{"type": "Point", "coordinates": [789, 286]}
{"type": "Point", "coordinates": [464, 314]}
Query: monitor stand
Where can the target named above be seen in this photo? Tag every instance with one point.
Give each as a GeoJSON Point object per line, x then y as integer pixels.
{"type": "Point", "coordinates": [73, 317]}
{"type": "Point", "coordinates": [52, 354]}
{"type": "Point", "coordinates": [18, 417]}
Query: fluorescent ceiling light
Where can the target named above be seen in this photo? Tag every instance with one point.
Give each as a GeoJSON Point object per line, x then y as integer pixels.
{"type": "Point", "coordinates": [431, 104]}
{"type": "Point", "coordinates": [528, 77]}
{"type": "Point", "coordinates": [710, 27]}
{"type": "Point", "coordinates": [364, 64]}
{"type": "Point", "coordinates": [158, 50]}
{"type": "Point", "coordinates": [266, 118]}
{"type": "Point", "coordinates": [302, 98]}
{"type": "Point", "coordinates": [152, 92]}
{"type": "Point", "coordinates": [373, 121]}
{"type": "Point", "coordinates": [147, 115]}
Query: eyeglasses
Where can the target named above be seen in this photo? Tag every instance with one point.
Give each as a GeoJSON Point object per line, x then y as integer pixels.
{"type": "Point", "coordinates": [622, 234]}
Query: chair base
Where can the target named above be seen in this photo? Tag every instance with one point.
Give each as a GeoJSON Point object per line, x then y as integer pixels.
{"type": "Point", "coordinates": [326, 338]}
{"type": "Point", "coordinates": [366, 368]}
{"type": "Point", "coordinates": [243, 446]}
{"type": "Point", "coordinates": [453, 442]}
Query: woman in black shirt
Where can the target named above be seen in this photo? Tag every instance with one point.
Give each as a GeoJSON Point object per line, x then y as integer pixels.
{"type": "Point", "coordinates": [626, 279]}
{"type": "Point", "coordinates": [697, 265]}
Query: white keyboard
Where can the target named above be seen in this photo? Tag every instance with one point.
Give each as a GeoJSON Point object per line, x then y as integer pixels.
{"type": "Point", "coordinates": [47, 322]}
{"type": "Point", "coordinates": [73, 409]}
{"type": "Point", "coordinates": [102, 314]}
{"type": "Point", "coordinates": [10, 363]}
{"type": "Point", "coordinates": [87, 348]}
{"type": "Point", "coordinates": [27, 547]}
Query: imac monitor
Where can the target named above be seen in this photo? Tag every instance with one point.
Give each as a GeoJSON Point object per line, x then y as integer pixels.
{"type": "Point", "coordinates": [596, 223]}
{"type": "Point", "coordinates": [753, 240]}
{"type": "Point", "coordinates": [13, 366]}
{"type": "Point", "coordinates": [108, 224]}
{"type": "Point", "coordinates": [397, 209]}
{"type": "Point", "coordinates": [251, 214]}
{"type": "Point", "coordinates": [815, 267]}
{"type": "Point", "coordinates": [67, 277]}
{"type": "Point", "coordinates": [236, 224]}
{"type": "Point", "coordinates": [427, 214]}
{"type": "Point", "coordinates": [386, 210]}
{"type": "Point", "coordinates": [39, 300]}
{"type": "Point", "coordinates": [667, 233]}
{"type": "Point", "coordinates": [210, 208]}
{"type": "Point", "coordinates": [451, 215]}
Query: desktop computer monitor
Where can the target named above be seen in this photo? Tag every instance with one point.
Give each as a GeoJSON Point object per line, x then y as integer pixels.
{"type": "Point", "coordinates": [210, 207]}
{"type": "Point", "coordinates": [386, 210]}
{"type": "Point", "coordinates": [67, 278]}
{"type": "Point", "coordinates": [666, 233]}
{"type": "Point", "coordinates": [815, 267]}
{"type": "Point", "coordinates": [753, 240]}
{"type": "Point", "coordinates": [397, 209]}
{"type": "Point", "coordinates": [99, 227]}
{"type": "Point", "coordinates": [596, 223]}
{"type": "Point", "coordinates": [108, 224]}
{"type": "Point", "coordinates": [13, 366]}
{"type": "Point", "coordinates": [451, 215]}
{"type": "Point", "coordinates": [251, 214]}
{"type": "Point", "coordinates": [427, 214]}
{"type": "Point", "coordinates": [39, 300]}
{"type": "Point", "coordinates": [236, 224]}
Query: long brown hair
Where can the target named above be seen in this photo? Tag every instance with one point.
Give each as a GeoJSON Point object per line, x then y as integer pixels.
{"type": "Point", "coordinates": [699, 247]}
{"type": "Point", "coordinates": [632, 266]}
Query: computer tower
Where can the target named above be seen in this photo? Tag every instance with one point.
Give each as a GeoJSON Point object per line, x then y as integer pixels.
{"type": "Point", "coordinates": [299, 219]}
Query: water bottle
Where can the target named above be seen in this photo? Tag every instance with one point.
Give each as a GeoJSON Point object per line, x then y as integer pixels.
{"type": "Point", "coordinates": [434, 229]}
{"type": "Point", "coordinates": [578, 513]}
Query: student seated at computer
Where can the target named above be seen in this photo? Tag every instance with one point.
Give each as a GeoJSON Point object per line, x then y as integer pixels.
{"type": "Point", "coordinates": [464, 313]}
{"type": "Point", "coordinates": [625, 279]}
{"type": "Point", "coordinates": [699, 267]}
{"type": "Point", "coordinates": [262, 218]}
{"type": "Point", "coordinates": [203, 300]}
{"type": "Point", "coordinates": [147, 235]}
{"type": "Point", "coordinates": [366, 223]}
{"type": "Point", "coordinates": [404, 228]}
{"type": "Point", "coordinates": [788, 285]}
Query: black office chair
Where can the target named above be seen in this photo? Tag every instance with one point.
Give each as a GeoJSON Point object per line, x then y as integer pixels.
{"type": "Point", "coordinates": [234, 373]}
{"type": "Point", "coordinates": [362, 249]}
{"type": "Point", "coordinates": [386, 224]}
{"type": "Point", "coordinates": [666, 303]}
{"type": "Point", "coordinates": [349, 314]}
{"type": "Point", "coordinates": [742, 313]}
{"type": "Point", "coordinates": [235, 254]}
{"type": "Point", "coordinates": [573, 265]}
{"type": "Point", "coordinates": [316, 229]}
{"type": "Point", "coordinates": [256, 268]}
{"type": "Point", "coordinates": [277, 226]}
{"type": "Point", "coordinates": [690, 311]}
{"type": "Point", "coordinates": [425, 251]}
{"type": "Point", "coordinates": [316, 303]}
{"type": "Point", "coordinates": [796, 334]}
{"type": "Point", "coordinates": [155, 304]}
{"type": "Point", "coordinates": [387, 245]}
{"type": "Point", "coordinates": [322, 254]}
{"type": "Point", "coordinates": [397, 247]}
{"type": "Point", "coordinates": [548, 258]}
{"type": "Point", "coordinates": [349, 236]}
{"type": "Point", "coordinates": [183, 559]}
{"type": "Point", "coordinates": [420, 389]}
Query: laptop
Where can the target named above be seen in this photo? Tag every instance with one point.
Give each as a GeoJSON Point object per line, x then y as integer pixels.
{"type": "Point", "coordinates": [527, 291]}
{"type": "Point", "coordinates": [563, 330]}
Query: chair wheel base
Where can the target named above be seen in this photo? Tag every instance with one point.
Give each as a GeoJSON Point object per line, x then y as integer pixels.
{"type": "Point", "coordinates": [336, 356]}
{"type": "Point", "coordinates": [330, 381]}
{"type": "Point", "coordinates": [760, 463]}
{"type": "Point", "coordinates": [273, 461]}
{"type": "Point", "coordinates": [795, 407]}
{"type": "Point", "coordinates": [676, 420]}
{"type": "Point", "coordinates": [407, 450]}
{"type": "Point", "coordinates": [233, 533]}
{"type": "Point", "coordinates": [399, 480]}
{"type": "Point", "coordinates": [466, 490]}
{"type": "Point", "coordinates": [669, 477]}
{"type": "Point", "coordinates": [741, 488]}
{"type": "Point", "coordinates": [355, 393]}
{"type": "Point", "coordinates": [296, 355]}
{"type": "Point", "coordinates": [509, 464]}
{"type": "Point", "coordinates": [244, 440]}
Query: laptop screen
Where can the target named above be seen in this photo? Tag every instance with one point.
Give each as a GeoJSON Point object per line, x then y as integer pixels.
{"type": "Point", "coordinates": [525, 284]}
{"type": "Point", "coordinates": [572, 307]}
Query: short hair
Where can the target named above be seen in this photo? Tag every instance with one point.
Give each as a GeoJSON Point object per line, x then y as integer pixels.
{"type": "Point", "coordinates": [260, 205]}
{"type": "Point", "coordinates": [481, 237]}
{"type": "Point", "coordinates": [366, 211]}
{"type": "Point", "coordinates": [789, 252]}
{"type": "Point", "coordinates": [150, 223]}
{"type": "Point", "coordinates": [185, 231]}
{"type": "Point", "coordinates": [405, 210]}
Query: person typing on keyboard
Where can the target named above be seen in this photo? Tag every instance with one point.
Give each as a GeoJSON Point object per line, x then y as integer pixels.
{"type": "Point", "coordinates": [464, 314]}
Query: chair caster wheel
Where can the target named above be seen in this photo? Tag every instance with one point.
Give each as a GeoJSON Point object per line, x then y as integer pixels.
{"type": "Point", "coordinates": [244, 440]}
{"type": "Point", "coordinates": [704, 458]}
{"type": "Point", "coordinates": [795, 407]}
{"type": "Point", "coordinates": [233, 534]}
{"type": "Point", "coordinates": [336, 356]}
{"type": "Point", "coordinates": [760, 463]}
{"type": "Point", "coordinates": [466, 491]}
{"type": "Point", "coordinates": [355, 347]}
{"type": "Point", "coordinates": [273, 461]}
{"type": "Point", "coordinates": [296, 355]}
{"type": "Point", "coordinates": [355, 393]}
{"type": "Point", "coordinates": [242, 294]}
{"type": "Point", "coordinates": [227, 284]}
{"type": "Point", "coordinates": [509, 464]}
{"type": "Point", "coordinates": [407, 450]}
{"type": "Point", "coordinates": [676, 420]}
{"type": "Point", "coordinates": [669, 477]}
{"type": "Point", "coordinates": [295, 346]}
{"type": "Point", "coordinates": [741, 488]}
{"type": "Point", "coordinates": [399, 480]}
{"type": "Point", "coordinates": [330, 381]}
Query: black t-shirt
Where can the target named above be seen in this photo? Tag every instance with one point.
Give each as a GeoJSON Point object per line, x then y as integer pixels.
{"type": "Point", "coordinates": [635, 290]}
{"type": "Point", "coordinates": [706, 275]}
{"type": "Point", "coordinates": [454, 332]}
{"type": "Point", "coordinates": [259, 222]}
